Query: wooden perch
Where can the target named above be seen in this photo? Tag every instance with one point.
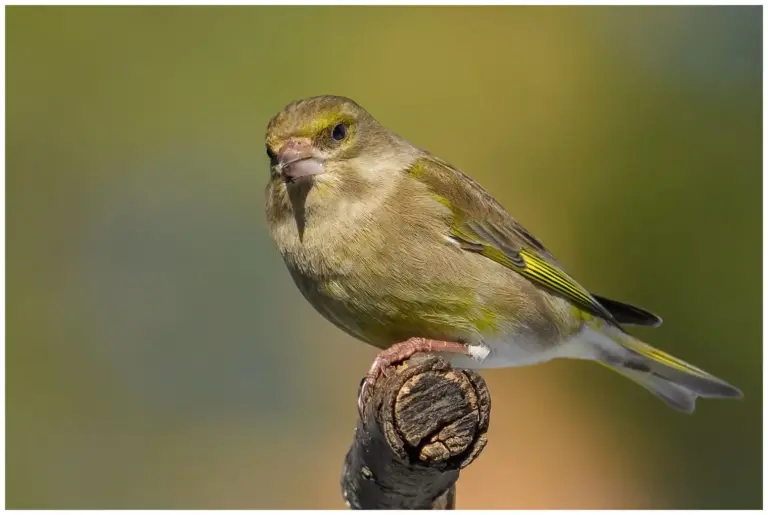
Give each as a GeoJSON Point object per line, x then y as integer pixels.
{"type": "Point", "coordinates": [422, 423]}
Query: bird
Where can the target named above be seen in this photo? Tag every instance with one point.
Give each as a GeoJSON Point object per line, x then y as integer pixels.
{"type": "Point", "coordinates": [405, 252]}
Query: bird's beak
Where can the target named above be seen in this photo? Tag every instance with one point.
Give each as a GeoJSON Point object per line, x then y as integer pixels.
{"type": "Point", "coordinates": [297, 158]}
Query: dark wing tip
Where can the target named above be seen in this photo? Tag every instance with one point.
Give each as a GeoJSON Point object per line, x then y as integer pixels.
{"type": "Point", "coordinates": [627, 314]}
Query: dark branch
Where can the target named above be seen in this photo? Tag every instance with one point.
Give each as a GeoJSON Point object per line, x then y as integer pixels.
{"type": "Point", "coordinates": [423, 422]}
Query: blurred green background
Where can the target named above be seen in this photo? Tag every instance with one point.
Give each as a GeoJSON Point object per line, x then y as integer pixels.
{"type": "Point", "coordinates": [158, 354]}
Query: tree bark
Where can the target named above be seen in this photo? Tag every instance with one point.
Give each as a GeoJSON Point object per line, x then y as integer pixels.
{"type": "Point", "coordinates": [422, 423]}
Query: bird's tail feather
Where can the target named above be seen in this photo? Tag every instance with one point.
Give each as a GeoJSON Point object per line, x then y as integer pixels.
{"type": "Point", "coordinates": [676, 382]}
{"type": "Point", "coordinates": [675, 395]}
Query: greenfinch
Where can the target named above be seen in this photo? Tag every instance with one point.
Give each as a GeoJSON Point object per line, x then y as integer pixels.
{"type": "Point", "coordinates": [403, 251]}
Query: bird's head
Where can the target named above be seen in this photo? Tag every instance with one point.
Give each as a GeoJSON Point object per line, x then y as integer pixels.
{"type": "Point", "coordinates": [327, 135]}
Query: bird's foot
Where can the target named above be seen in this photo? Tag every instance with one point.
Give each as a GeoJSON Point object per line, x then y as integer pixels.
{"type": "Point", "coordinates": [398, 353]}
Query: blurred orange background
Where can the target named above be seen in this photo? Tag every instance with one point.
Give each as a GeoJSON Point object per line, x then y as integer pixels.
{"type": "Point", "coordinates": [158, 354]}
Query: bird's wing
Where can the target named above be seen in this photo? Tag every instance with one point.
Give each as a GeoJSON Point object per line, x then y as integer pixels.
{"type": "Point", "coordinates": [481, 225]}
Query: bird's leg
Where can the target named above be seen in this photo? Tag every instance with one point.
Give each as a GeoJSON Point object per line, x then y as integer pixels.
{"type": "Point", "coordinates": [400, 352]}
{"type": "Point", "coordinates": [403, 350]}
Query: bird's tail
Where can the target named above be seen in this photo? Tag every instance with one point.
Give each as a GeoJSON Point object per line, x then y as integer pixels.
{"type": "Point", "coordinates": [676, 382]}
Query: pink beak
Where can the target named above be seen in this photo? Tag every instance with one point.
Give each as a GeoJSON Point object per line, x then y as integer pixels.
{"type": "Point", "coordinates": [297, 158]}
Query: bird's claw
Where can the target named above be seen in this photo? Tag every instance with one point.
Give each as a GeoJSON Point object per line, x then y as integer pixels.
{"type": "Point", "coordinates": [380, 367]}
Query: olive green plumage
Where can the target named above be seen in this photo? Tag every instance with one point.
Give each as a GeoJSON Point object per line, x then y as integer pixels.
{"type": "Point", "coordinates": [389, 242]}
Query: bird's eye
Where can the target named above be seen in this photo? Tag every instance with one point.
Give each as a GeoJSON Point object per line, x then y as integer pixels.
{"type": "Point", "coordinates": [271, 155]}
{"type": "Point", "coordinates": [339, 132]}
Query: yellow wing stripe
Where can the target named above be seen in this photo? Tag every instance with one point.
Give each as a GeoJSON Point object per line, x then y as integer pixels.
{"type": "Point", "coordinates": [529, 264]}
{"type": "Point", "coordinates": [543, 272]}
{"type": "Point", "coordinates": [555, 278]}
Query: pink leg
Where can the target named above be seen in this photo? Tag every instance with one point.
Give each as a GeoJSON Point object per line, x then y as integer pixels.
{"type": "Point", "coordinates": [400, 352]}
